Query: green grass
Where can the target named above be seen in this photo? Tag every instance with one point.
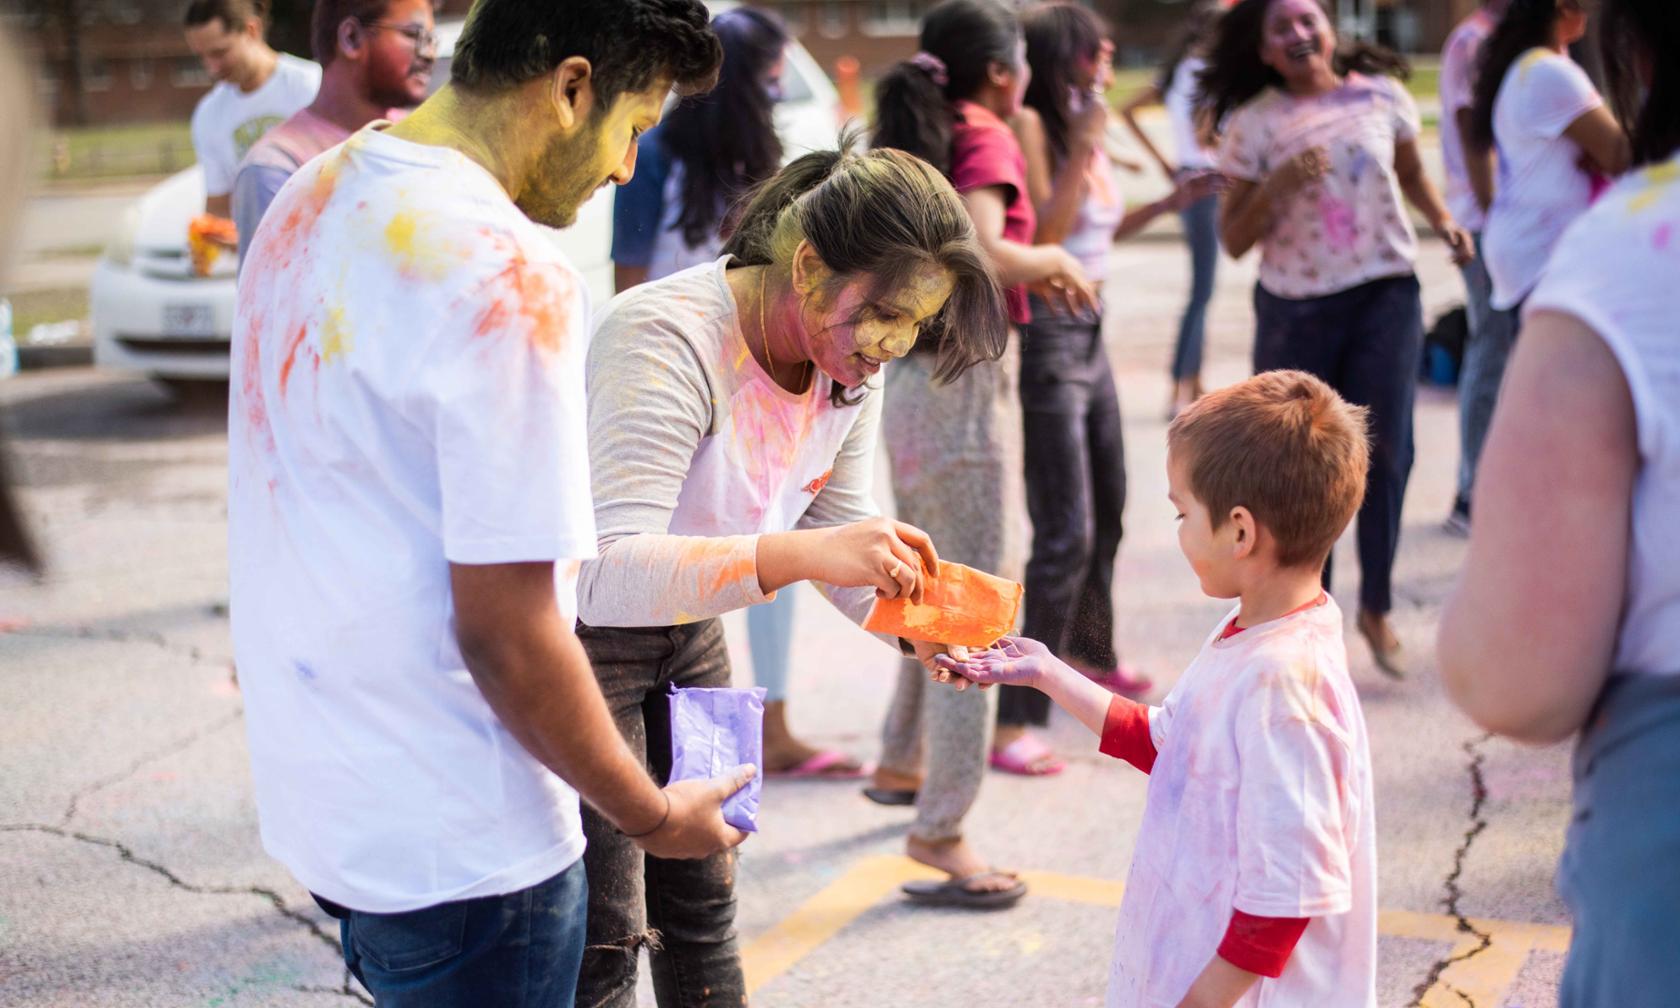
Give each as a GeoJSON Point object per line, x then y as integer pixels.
{"type": "Point", "coordinates": [35, 307]}
{"type": "Point", "coordinates": [96, 152]}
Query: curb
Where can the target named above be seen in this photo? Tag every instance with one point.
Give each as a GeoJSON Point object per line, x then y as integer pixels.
{"type": "Point", "coordinates": [61, 355]}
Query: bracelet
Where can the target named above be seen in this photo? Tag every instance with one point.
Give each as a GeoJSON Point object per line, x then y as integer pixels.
{"type": "Point", "coordinates": [657, 825]}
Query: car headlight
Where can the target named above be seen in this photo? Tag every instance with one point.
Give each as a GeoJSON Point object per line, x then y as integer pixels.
{"type": "Point", "coordinates": [121, 249]}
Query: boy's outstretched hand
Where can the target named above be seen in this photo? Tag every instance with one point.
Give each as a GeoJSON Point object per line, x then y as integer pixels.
{"type": "Point", "coordinates": [1012, 661]}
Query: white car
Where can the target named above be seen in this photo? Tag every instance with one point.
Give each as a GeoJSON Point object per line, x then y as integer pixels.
{"type": "Point", "coordinates": [152, 315]}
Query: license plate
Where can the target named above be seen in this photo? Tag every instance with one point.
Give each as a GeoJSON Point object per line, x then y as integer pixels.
{"type": "Point", "coordinates": [189, 320]}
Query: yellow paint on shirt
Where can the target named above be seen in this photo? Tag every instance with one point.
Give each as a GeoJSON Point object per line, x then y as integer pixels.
{"type": "Point", "coordinates": [1656, 182]}
{"type": "Point", "coordinates": [335, 336]}
{"type": "Point", "coordinates": [416, 251]}
{"type": "Point", "coordinates": [399, 235]}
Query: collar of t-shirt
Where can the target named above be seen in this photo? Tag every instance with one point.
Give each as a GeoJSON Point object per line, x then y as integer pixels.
{"type": "Point", "coordinates": [1231, 628]}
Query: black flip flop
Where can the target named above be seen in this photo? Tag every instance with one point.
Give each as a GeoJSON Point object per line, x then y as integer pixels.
{"type": "Point", "coordinates": [890, 796]}
{"type": "Point", "coordinates": [954, 892]}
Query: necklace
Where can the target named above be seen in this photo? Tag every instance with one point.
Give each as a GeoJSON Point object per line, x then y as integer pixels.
{"type": "Point", "coordinates": [764, 336]}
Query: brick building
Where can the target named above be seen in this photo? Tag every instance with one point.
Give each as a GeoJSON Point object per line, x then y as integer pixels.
{"type": "Point", "coordinates": [120, 61]}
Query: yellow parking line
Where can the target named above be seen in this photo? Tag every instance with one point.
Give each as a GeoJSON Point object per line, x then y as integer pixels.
{"type": "Point", "coordinates": [1484, 977]}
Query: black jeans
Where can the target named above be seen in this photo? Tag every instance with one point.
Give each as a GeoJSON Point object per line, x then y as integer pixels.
{"type": "Point", "coordinates": [1076, 491]}
{"type": "Point", "coordinates": [688, 905]}
{"type": "Point", "coordinates": [1365, 343]}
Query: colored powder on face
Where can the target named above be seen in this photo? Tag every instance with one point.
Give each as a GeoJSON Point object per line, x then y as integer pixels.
{"type": "Point", "coordinates": [960, 605]}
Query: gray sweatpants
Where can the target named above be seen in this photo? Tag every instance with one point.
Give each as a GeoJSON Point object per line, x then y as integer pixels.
{"type": "Point", "coordinates": [955, 457]}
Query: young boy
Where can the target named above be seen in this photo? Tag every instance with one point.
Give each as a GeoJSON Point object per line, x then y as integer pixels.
{"type": "Point", "coordinates": [1254, 880]}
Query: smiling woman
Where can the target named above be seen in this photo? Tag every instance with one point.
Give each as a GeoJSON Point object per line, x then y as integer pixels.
{"type": "Point", "coordinates": [732, 432]}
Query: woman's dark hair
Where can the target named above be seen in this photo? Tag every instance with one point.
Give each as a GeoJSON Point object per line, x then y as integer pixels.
{"type": "Point", "coordinates": [1635, 34]}
{"type": "Point", "coordinates": [1526, 24]}
{"type": "Point", "coordinates": [1058, 35]}
{"type": "Point", "coordinates": [726, 139]}
{"type": "Point", "coordinates": [628, 43]}
{"type": "Point", "coordinates": [913, 107]}
{"type": "Point", "coordinates": [1235, 73]}
{"type": "Point", "coordinates": [1198, 32]}
{"type": "Point", "coordinates": [883, 215]}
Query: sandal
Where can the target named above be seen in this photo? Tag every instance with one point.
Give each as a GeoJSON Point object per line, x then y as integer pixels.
{"type": "Point", "coordinates": [1027, 756]}
{"type": "Point", "coordinates": [826, 764]}
{"type": "Point", "coordinates": [958, 892]}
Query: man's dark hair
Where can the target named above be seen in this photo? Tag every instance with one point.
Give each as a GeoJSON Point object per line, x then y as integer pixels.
{"type": "Point", "coordinates": [231, 13]}
{"type": "Point", "coordinates": [329, 14]}
{"type": "Point", "coordinates": [629, 43]}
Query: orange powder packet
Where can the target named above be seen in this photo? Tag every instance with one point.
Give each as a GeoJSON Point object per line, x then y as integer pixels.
{"type": "Point", "coordinates": [207, 235]}
{"type": "Point", "coordinates": [961, 605]}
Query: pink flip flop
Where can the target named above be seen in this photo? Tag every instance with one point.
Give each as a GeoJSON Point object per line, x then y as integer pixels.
{"type": "Point", "coordinates": [1027, 756]}
{"type": "Point", "coordinates": [826, 764]}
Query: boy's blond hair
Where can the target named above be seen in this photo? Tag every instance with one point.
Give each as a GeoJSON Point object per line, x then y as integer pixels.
{"type": "Point", "coordinates": [1283, 445]}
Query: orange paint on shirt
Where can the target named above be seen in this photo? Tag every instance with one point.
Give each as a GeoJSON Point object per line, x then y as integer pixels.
{"type": "Point", "coordinates": [293, 346]}
{"type": "Point", "coordinates": [530, 299]}
{"type": "Point", "coordinates": [816, 485]}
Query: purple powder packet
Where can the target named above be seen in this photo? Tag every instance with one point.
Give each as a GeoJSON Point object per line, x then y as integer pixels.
{"type": "Point", "coordinates": [713, 731]}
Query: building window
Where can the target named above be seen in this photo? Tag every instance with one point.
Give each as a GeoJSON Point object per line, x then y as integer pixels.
{"type": "Point", "coordinates": [188, 72]}
{"type": "Point", "coordinates": [836, 18]}
{"type": "Point", "coordinates": [140, 74]}
{"type": "Point", "coordinates": [97, 75]}
{"type": "Point", "coordinates": [894, 17]}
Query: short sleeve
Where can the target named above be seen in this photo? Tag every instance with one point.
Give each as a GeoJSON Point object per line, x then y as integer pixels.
{"type": "Point", "coordinates": [1552, 93]}
{"type": "Point", "coordinates": [510, 425]}
{"type": "Point", "coordinates": [1406, 121]}
{"type": "Point", "coordinates": [639, 205]}
{"type": "Point", "coordinates": [253, 190]}
{"type": "Point", "coordinates": [212, 149]}
{"type": "Point", "coordinates": [1242, 150]}
{"type": "Point", "coordinates": [1458, 67]}
{"type": "Point", "coordinates": [987, 156]}
{"type": "Point", "coordinates": [1294, 822]}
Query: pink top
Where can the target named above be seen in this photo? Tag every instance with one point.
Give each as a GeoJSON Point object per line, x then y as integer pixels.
{"type": "Point", "coordinates": [985, 153]}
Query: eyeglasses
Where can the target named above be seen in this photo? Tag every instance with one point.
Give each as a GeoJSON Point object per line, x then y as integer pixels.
{"type": "Point", "coordinates": [424, 39]}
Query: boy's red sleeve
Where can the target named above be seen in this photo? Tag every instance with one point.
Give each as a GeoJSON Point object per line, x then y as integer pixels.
{"type": "Point", "coordinates": [1126, 734]}
{"type": "Point", "coordinates": [1261, 944]}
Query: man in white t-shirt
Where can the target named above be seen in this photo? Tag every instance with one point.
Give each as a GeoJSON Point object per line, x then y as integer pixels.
{"type": "Point", "coordinates": [1469, 190]}
{"type": "Point", "coordinates": [256, 89]}
{"type": "Point", "coordinates": [409, 500]}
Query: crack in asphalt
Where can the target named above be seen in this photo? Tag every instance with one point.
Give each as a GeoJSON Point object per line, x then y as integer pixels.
{"type": "Point", "coordinates": [1478, 797]}
{"type": "Point", "coordinates": [127, 854]}
{"type": "Point", "coordinates": [196, 655]}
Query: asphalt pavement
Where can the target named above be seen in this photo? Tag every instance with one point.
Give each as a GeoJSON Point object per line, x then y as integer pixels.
{"type": "Point", "coordinates": [131, 873]}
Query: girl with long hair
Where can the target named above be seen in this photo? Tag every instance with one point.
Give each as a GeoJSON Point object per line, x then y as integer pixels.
{"type": "Point", "coordinates": [1075, 456]}
{"type": "Point", "coordinates": [1320, 146]}
{"type": "Point", "coordinates": [1566, 618]}
{"type": "Point", "coordinates": [1543, 138]}
{"type": "Point", "coordinates": [732, 431]}
{"type": "Point", "coordinates": [692, 169]}
{"type": "Point", "coordinates": [1175, 87]}
{"type": "Point", "coordinates": [954, 449]}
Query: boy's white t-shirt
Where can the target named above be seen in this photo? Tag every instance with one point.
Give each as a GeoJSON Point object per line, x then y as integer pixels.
{"type": "Point", "coordinates": [228, 122]}
{"type": "Point", "coordinates": [1542, 186]}
{"type": "Point", "coordinates": [1615, 270]}
{"type": "Point", "coordinates": [1259, 801]}
{"type": "Point", "coordinates": [407, 392]}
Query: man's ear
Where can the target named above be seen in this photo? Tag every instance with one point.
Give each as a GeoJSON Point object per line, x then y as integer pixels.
{"type": "Point", "coordinates": [573, 91]}
{"type": "Point", "coordinates": [1245, 534]}
{"type": "Point", "coordinates": [254, 28]}
{"type": "Point", "coordinates": [351, 37]}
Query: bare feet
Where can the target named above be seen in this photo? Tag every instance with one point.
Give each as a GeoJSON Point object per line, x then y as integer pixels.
{"type": "Point", "coordinates": [958, 859]}
{"type": "Point", "coordinates": [896, 780]}
{"type": "Point", "coordinates": [783, 752]}
{"type": "Point", "coordinates": [1385, 644]}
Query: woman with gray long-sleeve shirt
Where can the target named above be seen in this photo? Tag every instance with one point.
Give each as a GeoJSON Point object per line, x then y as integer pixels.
{"type": "Point", "coordinates": [732, 432]}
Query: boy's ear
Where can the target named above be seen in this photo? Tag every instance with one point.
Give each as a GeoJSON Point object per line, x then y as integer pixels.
{"type": "Point", "coordinates": [1245, 534]}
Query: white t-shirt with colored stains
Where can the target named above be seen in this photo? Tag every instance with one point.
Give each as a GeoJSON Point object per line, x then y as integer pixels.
{"type": "Point", "coordinates": [1349, 226]}
{"type": "Point", "coordinates": [407, 392]}
{"type": "Point", "coordinates": [1259, 801]}
{"type": "Point", "coordinates": [695, 452]}
{"type": "Point", "coordinates": [1543, 182]}
{"type": "Point", "coordinates": [227, 122]}
{"type": "Point", "coordinates": [1615, 270]}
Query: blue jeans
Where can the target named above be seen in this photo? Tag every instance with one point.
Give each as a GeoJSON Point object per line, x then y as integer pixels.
{"type": "Point", "coordinates": [1365, 343]}
{"type": "Point", "coordinates": [520, 950]}
{"type": "Point", "coordinates": [1491, 334]}
{"type": "Point", "coordinates": [770, 633]}
{"type": "Point", "coordinates": [1201, 231]}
